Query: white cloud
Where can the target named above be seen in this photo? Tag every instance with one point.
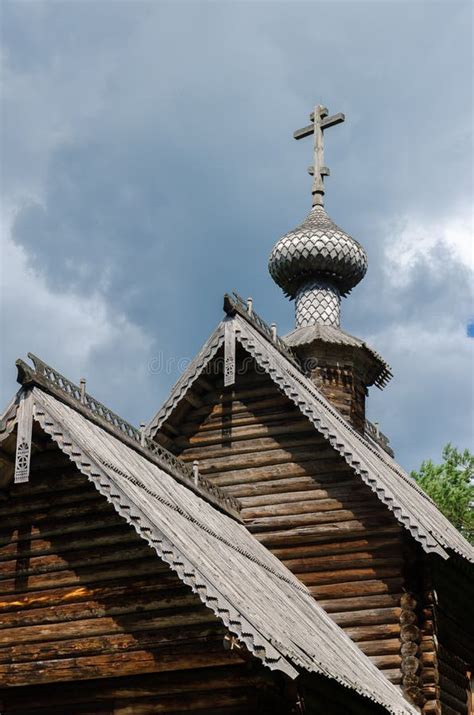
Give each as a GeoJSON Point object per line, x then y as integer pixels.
{"type": "Point", "coordinates": [426, 296]}
{"type": "Point", "coordinates": [415, 240]}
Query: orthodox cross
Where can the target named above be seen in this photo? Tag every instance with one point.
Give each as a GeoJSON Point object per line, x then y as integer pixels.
{"type": "Point", "coordinates": [319, 122]}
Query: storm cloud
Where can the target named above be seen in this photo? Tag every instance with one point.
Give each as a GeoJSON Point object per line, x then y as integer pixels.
{"type": "Point", "coordinates": [149, 166]}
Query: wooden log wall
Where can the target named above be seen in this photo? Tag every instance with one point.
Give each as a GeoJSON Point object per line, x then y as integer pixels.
{"type": "Point", "coordinates": [82, 597]}
{"type": "Point", "coordinates": [341, 373]}
{"type": "Point", "coordinates": [447, 637]}
{"type": "Point", "coordinates": [303, 502]}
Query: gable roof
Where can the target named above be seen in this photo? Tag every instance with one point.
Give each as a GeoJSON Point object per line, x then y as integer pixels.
{"type": "Point", "coordinates": [249, 590]}
{"type": "Point", "coordinates": [411, 506]}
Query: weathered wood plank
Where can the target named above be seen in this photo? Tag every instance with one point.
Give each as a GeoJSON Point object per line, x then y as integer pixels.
{"type": "Point", "coordinates": [262, 448]}
{"type": "Point", "coordinates": [91, 539]}
{"type": "Point", "coordinates": [167, 611]}
{"type": "Point", "coordinates": [29, 566]}
{"type": "Point", "coordinates": [108, 665]}
{"type": "Point", "coordinates": [343, 546]}
{"type": "Point", "coordinates": [79, 576]}
{"type": "Point", "coordinates": [149, 599]}
{"type": "Point", "coordinates": [343, 529]}
{"type": "Point", "coordinates": [186, 633]}
{"type": "Point", "coordinates": [358, 588]}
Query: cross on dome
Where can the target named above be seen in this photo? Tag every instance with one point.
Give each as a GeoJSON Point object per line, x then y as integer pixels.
{"type": "Point", "coordinates": [319, 122]}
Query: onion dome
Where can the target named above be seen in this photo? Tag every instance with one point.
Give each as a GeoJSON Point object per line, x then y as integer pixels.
{"type": "Point", "coordinates": [317, 249]}
{"type": "Point", "coordinates": [317, 263]}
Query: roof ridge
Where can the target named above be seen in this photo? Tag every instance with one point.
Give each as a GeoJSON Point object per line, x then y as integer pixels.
{"type": "Point", "coordinates": [236, 304]}
{"type": "Point", "coordinates": [50, 380]}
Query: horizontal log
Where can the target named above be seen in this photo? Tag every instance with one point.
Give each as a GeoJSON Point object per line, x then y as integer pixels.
{"type": "Point", "coordinates": [256, 452]}
{"type": "Point", "coordinates": [349, 575]}
{"type": "Point", "coordinates": [342, 561]}
{"type": "Point", "coordinates": [386, 661]}
{"type": "Point", "coordinates": [393, 674]}
{"type": "Point", "coordinates": [343, 546]}
{"type": "Point", "coordinates": [80, 576]}
{"type": "Point", "coordinates": [142, 601]}
{"type": "Point", "coordinates": [103, 592]}
{"type": "Point", "coordinates": [236, 675]}
{"type": "Point", "coordinates": [217, 702]}
{"type": "Point", "coordinates": [249, 432]}
{"type": "Point", "coordinates": [77, 559]}
{"type": "Point", "coordinates": [62, 528]}
{"type": "Point", "coordinates": [204, 631]}
{"type": "Point", "coordinates": [336, 490]}
{"type": "Point", "coordinates": [430, 676]}
{"type": "Point", "coordinates": [49, 463]}
{"type": "Point", "coordinates": [429, 659]}
{"type": "Point", "coordinates": [216, 410]}
{"type": "Point", "coordinates": [388, 646]}
{"type": "Point", "coordinates": [77, 511]}
{"type": "Point", "coordinates": [86, 668]}
{"type": "Point", "coordinates": [268, 458]}
{"type": "Point", "coordinates": [284, 476]}
{"type": "Point", "coordinates": [366, 617]}
{"type": "Point", "coordinates": [359, 603]}
{"type": "Point", "coordinates": [243, 417]}
{"type": "Point", "coordinates": [121, 534]}
{"type": "Point", "coordinates": [327, 517]}
{"type": "Point", "coordinates": [346, 529]}
{"type": "Point", "coordinates": [43, 502]}
{"type": "Point", "coordinates": [373, 633]}
{"type": "Point", "coordinates": [167, 613]}
{"type": "Point", "coordinates": [357, 588]}
{"type": "Point", "coordinates": [427, 642]}
{"type": "Point", "coordinates": [349, 501]}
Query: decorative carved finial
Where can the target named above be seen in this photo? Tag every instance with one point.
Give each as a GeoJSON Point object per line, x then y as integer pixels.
{"type": "Point", "coordinates": [82, 384]}
{"type": "Point", "coordinates": [196, 471]}
{"type": "Point", "coordinates": [319, 122]}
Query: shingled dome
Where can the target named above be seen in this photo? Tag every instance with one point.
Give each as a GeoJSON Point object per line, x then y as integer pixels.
{"type": "Point", "coordinates": [317, 248]}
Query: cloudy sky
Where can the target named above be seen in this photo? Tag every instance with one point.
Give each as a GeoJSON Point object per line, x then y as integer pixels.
{"type": "Point", "coordinates": [148, 166]}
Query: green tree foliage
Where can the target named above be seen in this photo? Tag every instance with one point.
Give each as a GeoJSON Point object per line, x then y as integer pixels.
{"type": "Point", "coordinates": [451, 485]}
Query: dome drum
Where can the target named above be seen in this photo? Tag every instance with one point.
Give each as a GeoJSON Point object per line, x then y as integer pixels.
{"type": "Point", "coordinates": [317, 301]}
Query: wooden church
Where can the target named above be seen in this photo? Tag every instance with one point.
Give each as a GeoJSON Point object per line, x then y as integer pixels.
{"type": "Point", "coordinates": [254, 549]}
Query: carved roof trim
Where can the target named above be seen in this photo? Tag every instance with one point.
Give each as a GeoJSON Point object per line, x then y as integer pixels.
{"type": "Point", "coordinates": [52, 382]}
{"type": "Point", "coordinates": [234, 304]}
